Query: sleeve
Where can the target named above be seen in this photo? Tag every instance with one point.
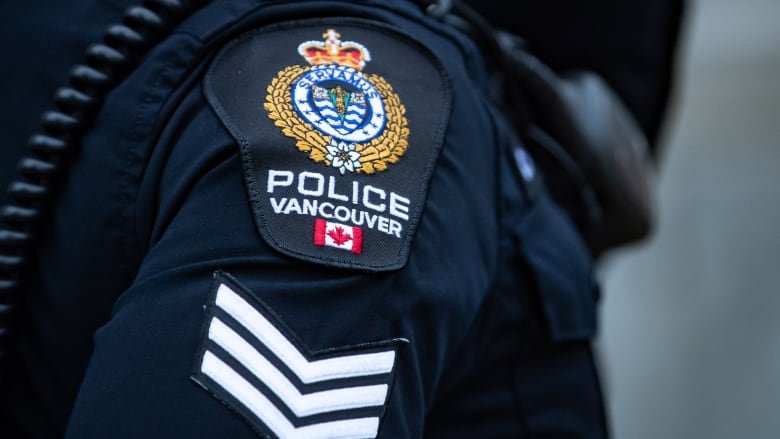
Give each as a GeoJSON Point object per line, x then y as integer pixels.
{"type": "Point", "coordinates": [298, 203]}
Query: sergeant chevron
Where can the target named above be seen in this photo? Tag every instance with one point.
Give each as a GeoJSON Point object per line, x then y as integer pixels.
{"type": "Point", "coordinates": [314, 194]}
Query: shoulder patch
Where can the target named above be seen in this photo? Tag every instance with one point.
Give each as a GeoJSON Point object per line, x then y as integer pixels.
{"type": "Point", "coordinates": [252, 363]}
{"type": "Point", "coordinates": [340, 123]}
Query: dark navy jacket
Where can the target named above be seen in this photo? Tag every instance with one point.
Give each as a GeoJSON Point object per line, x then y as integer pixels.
{"type": "Point", "coordinates": [475, 320]}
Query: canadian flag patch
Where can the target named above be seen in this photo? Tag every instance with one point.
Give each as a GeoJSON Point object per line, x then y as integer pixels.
{"type": "Point", "coordinates": [337, 235]}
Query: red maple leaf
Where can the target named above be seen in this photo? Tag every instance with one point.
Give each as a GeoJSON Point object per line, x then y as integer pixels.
{"type": "Point", "coordinates": [338, 236]}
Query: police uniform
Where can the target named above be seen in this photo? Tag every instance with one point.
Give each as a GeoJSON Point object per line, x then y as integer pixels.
{"type": "Point", "coordinates": [303, 219]}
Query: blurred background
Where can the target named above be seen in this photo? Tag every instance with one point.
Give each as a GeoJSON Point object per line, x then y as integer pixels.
{"type": "Point", "coordinates": [690, 324]}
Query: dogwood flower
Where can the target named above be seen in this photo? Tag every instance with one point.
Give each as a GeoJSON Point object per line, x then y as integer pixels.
{"type": "Point", "coordinates": [343, 156]}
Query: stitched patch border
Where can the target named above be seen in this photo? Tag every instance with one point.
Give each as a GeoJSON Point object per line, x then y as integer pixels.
{"type": "Point", "coordinates": [369, 147]}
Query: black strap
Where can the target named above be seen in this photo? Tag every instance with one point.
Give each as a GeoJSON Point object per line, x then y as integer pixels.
{"type": "Point", "coordinates": [107, 63]}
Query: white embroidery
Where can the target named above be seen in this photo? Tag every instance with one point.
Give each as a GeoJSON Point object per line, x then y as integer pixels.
{"type": "Point", "coordinates": [301, 405]}
{"type": "Point", "coordinates": [309, 372]}
{"type": "Point", "coordinates": [277, 388]}
{"type": "Point", "coordinates": [275, 420]}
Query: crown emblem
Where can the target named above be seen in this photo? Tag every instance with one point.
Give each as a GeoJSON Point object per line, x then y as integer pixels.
{"type": "Point", "coordinates": [341, 116]}
{"type": "Point", "coordinates": [335, 51]}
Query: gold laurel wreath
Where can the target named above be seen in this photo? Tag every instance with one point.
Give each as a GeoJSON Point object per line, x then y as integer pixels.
{"type": "Point", "coordinates": [374, 155]}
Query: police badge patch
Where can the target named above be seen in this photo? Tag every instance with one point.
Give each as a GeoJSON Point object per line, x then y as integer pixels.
{"type": "Point", "coordinates": [340, 123]}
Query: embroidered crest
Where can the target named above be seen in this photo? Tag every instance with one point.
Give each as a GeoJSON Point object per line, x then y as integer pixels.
{"type": "Point", "coordinates": [336, 160]}
{"type": "Point", "coordinates": [340, 116]}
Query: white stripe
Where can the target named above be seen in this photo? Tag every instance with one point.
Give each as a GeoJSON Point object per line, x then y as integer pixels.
{"type": "Point", "coordinates": [309, 372]}
{"type": "Point", "coordinates": [275, 420]}
{"type": "Point", "coordinates": [355, 116]}
{"type": "Point", "coordinates": [326, 110]}
{"type": "Point", "coordinates": [301, 405]}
